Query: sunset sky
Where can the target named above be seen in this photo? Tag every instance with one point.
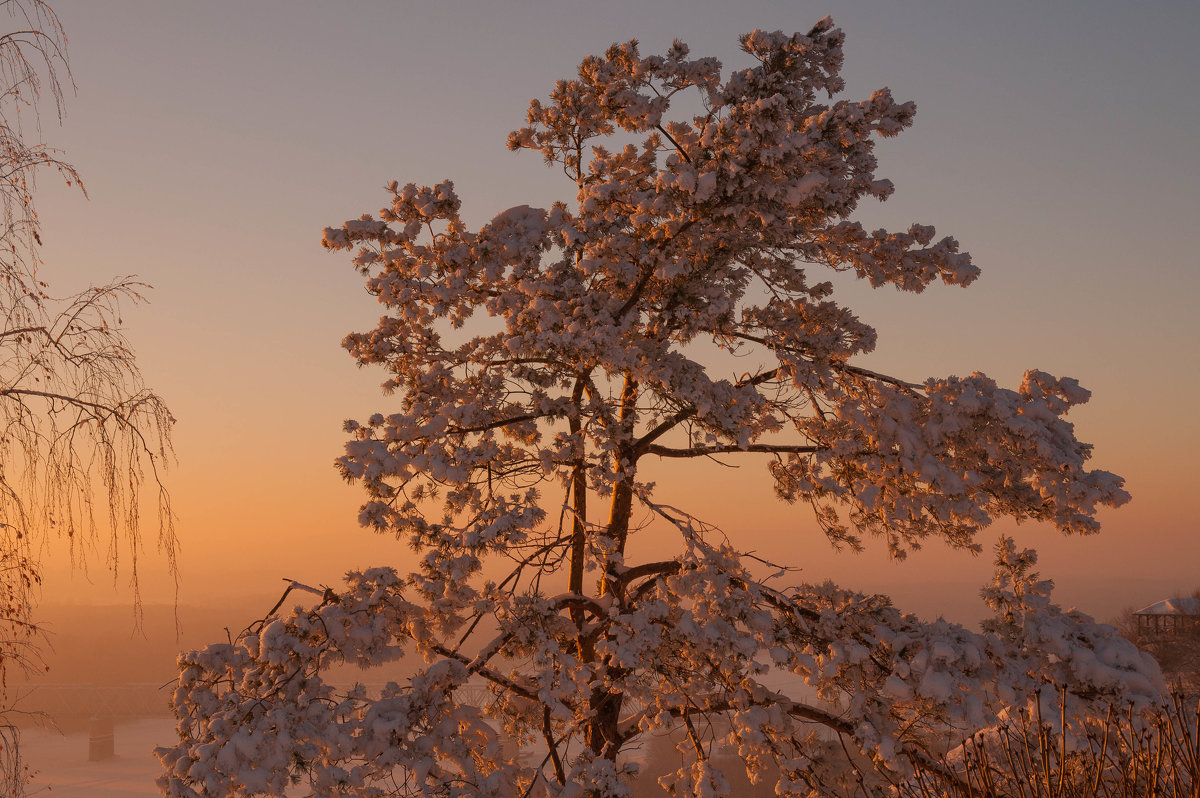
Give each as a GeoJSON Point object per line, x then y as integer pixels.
{"type": "Point", "coordinates": [1057, 142]}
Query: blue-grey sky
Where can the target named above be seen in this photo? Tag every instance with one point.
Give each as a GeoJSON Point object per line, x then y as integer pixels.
{"type": "Point", "coordinates": [1055, 141]}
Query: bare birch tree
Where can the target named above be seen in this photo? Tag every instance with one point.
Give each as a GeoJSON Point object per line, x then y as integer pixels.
{"type": "Point", "coordinates": [81, 436]}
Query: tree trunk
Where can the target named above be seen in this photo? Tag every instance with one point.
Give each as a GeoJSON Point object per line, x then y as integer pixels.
{"type": "Point", "coordinates": [605, 705]}
{"type": "Point", "coordinates": [579, 522]}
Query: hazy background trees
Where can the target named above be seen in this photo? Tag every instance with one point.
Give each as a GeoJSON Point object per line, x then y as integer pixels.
{"type": "Point", "coordinates": [80, 434]}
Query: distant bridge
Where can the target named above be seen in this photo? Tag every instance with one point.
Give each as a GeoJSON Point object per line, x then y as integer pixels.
{"type": "Point", "coordinates": [145, 700]}
{"type": "Point", "coordinates": [89, 700]}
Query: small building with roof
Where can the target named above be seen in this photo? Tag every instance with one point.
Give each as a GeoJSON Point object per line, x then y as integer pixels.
{"type": "Point", "coordinates": [1169, 618]}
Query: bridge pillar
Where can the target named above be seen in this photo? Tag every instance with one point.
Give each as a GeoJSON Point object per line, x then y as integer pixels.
{"type": "Point", "coordinates": [101, 739]}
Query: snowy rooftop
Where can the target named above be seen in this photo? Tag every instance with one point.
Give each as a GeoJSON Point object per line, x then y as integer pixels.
{"type": "Point", "coordinates": [1175, 606]}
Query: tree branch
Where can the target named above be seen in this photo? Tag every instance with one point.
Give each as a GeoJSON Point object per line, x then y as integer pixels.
{"type": "Point", "coordinates": [648, 272]}
{"type": "Point", "coordinates": [552, 747]}
{"type": "Point", "coordinates": [704, 451]}
{"type": "Point", "coordinates": [491, 675]}
{"type": "Point", "coordinates": [494, 424]}
{"type": "Point", "coordinates": [874, 375]}
{"type": "Point", "coordinates": [674, 143]}
{"type": "Point", "coordinates": [639, 446]}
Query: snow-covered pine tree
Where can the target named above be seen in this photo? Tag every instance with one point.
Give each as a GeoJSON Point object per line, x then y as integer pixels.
{"type": "Point", "coordinates": [539, 361]}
